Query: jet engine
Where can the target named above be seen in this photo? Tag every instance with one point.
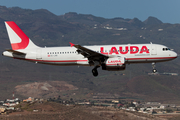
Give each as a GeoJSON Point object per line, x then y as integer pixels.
{"type": "Point", "coordinates": [114, 64]}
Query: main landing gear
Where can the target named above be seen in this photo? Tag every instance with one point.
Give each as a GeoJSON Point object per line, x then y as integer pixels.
{"type": "Point", "coordinates": [154, 67]}
{"type": "Point", "coordinates": [94, 71]}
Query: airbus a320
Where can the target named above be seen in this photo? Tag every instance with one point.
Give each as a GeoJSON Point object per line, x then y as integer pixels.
{"type": "Point", "coordinates": [108, 57]}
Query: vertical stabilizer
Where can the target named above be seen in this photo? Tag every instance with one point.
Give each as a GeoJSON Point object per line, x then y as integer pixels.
{"type": "Point", "coordinates": [18, 39]}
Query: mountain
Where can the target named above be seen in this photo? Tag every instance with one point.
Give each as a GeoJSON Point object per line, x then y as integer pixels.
{"type": "Point", "coordinates": [152, 21]}
{"type": "Point", "coordinates": [46, 29]}
{"type": "Point", "coordinates": [75, 18]}
{"type": "Point", "coordinates": [45, 89]}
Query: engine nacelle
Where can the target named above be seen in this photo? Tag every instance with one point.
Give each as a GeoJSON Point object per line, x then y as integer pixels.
{"type": "Point", "coordinates": [114, 64]}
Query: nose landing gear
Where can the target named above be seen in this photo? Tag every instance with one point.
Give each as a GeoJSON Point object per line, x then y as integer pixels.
{"type": "Point", "coordinates": [154, 67]}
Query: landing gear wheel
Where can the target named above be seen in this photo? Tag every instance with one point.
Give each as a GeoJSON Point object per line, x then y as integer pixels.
{"type": "Point", "coordinates": [154, 67]}
{"type": "Point", "coordinates": [154, 70]}
{"type": "Point", "coordinates": [95, 72]}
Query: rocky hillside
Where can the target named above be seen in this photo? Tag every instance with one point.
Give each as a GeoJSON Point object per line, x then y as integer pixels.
{"type": "Point", "coordinates": [45, 89]}
{"type": "Point", "coordinates": [47, 29]}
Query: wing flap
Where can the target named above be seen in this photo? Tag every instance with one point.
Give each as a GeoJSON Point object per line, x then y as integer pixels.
{"type": "Point", "coordinates": [90, 54]}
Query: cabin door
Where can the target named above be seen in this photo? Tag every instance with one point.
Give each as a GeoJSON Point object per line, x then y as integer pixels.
{"type": "Point", "coordinates": [153, 50]}
{"type": "Point", "coordinates": [38, 54]}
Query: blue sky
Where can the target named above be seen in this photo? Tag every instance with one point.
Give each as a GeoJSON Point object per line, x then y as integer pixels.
{"type": "Point", "coordinates": [168, 11]}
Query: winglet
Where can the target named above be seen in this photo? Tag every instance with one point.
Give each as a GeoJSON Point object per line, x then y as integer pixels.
{"type": "Point", "coordinates": [71, 44]}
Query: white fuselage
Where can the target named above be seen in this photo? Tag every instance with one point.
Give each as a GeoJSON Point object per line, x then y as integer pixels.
{"type": "Point", "coordinates": [109, 57]}
{"type": "Point", "coordinates": [133, 53]}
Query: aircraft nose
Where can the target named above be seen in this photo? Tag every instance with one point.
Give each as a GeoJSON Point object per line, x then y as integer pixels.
{"type": "Point", "coordinates": [174, 54]}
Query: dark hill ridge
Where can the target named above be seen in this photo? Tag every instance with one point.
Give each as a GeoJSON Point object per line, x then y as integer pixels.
{"type": "Point", "coordinates": [152, 21]}
{"type": "Point", "coordinates": [47, 29]}
{"type": "Point", "coordinates": [91, 20]}
{"type": "Point", "coordinates": [75, 18]}
{"type": "Point", "coordinates": [41, 23]}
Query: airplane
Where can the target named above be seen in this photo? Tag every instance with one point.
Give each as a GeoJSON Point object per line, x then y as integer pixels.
{"type": "Point", "coordinates": [108, 57]}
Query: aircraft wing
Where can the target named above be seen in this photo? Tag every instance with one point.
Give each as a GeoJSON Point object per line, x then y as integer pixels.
{"type": "Point", "coordinates": [88, 53]}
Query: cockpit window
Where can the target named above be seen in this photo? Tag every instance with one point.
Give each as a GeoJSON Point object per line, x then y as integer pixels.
{"type": "Point", "coordinates": [166, 49]}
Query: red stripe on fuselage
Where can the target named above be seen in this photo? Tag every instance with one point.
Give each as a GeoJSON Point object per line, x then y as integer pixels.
{"type": "Point", "coordinates": [71, 61]}
{"type": "Point", "coordinates": [151, 58]}
{"type": "Point", "coordinates": [60, 61]}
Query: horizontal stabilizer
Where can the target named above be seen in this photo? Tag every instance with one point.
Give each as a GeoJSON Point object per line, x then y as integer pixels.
{"type": "Point", "coordinates": [16, 52]}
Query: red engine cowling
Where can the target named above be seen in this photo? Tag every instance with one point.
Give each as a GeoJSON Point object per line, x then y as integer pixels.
{"type": "Point", "coordinates": [114, 64]}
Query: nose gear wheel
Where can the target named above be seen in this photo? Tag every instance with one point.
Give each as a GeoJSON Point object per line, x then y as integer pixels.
{"type": "Point", "coordinates": [154, 67]}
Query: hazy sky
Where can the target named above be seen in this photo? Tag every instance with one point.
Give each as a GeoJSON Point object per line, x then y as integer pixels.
{"type": "Point", "coordinates": [168, 11]}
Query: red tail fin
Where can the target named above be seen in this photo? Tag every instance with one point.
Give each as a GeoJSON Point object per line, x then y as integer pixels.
{"type": "Point", "coordinates": [18, 39]}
